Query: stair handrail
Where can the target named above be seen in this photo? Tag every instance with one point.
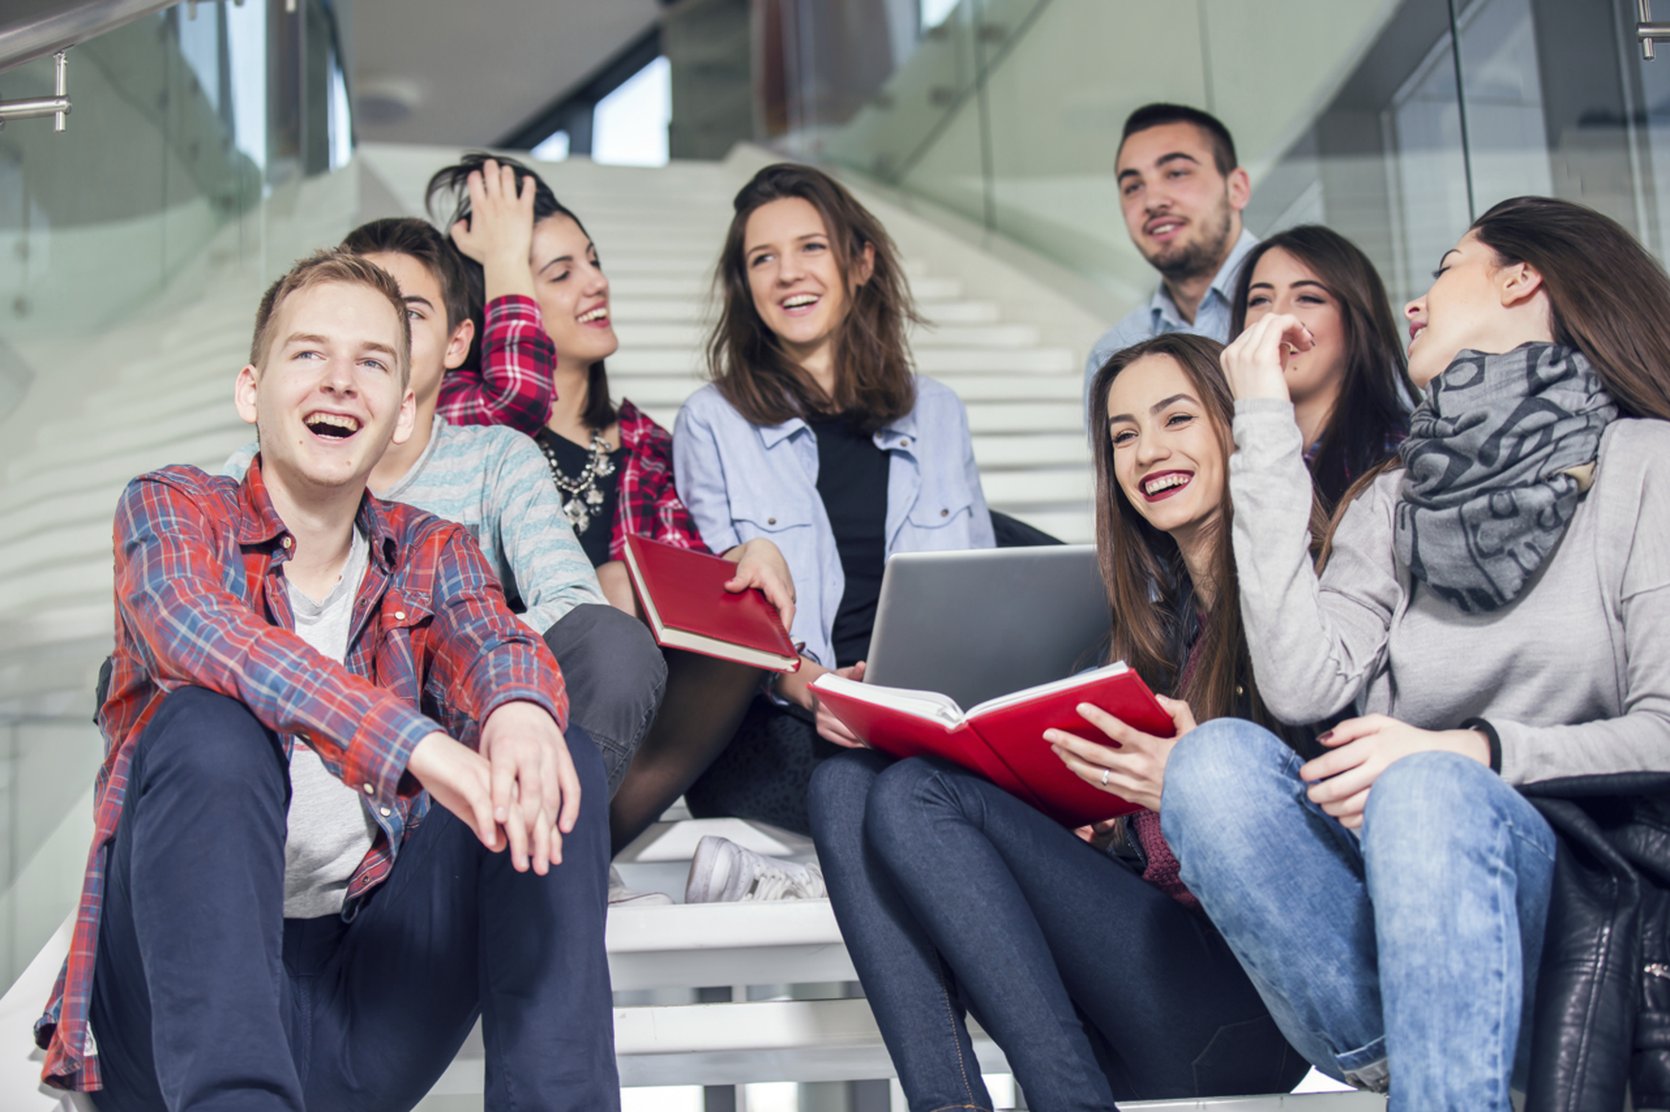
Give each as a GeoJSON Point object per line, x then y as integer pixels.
{"type": "Point", "coordinates": [31, 29]}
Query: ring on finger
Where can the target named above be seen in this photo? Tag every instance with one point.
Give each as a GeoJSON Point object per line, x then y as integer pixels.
{"type": "Point", "coordinates": [1106, 772]}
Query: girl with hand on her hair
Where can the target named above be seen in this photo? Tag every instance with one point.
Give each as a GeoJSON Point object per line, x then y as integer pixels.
{"type": "Point", "coordinates": [612, 465]}
{"type": "Point", "coordinates": [1496, 603]}
{"type": "Point", "coordinates": [1080, 953]}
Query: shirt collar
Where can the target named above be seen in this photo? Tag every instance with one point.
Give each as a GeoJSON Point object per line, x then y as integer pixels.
{"type": "Point", "coordinates": [1162, 308]}
{"type": "Point", "coordinates": [259, 523]}
{"type": "Point", "coordinates": [889, 435]}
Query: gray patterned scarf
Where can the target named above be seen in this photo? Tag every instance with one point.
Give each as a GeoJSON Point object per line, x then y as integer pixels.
{"type": "Point", "coordinates": [1499, 455]}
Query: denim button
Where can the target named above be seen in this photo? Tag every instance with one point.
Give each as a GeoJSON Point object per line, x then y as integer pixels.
{"type": "Point", "coordinates": [385, 811]}
{"type": "Point", "coordinates": [369, 790]}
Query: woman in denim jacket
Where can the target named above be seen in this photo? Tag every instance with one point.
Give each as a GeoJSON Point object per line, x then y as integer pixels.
{"type": "Point", "coordinates": [816, 434]}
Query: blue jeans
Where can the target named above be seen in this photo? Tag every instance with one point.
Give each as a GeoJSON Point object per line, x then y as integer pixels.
{"type": "Point", "coordinates": [1415, 945]}
{"type": "Point", "coordinates": [205, 996]}
{"type": "Point", "coordinates": [953, 895]}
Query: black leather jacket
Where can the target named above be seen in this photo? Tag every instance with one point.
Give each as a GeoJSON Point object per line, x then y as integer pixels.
{"type": "Point", "coordinates": [1602, 1015]}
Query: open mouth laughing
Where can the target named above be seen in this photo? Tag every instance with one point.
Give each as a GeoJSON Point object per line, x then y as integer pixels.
{"type": "Point", "coordinates": [1163, 484]}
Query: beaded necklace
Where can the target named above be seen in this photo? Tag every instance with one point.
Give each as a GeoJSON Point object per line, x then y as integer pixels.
{"type": "Point", "coordinates": [581, 497]}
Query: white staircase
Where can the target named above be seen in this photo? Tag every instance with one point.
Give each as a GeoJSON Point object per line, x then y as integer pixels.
{"type": "Point", "coordinates": [157, 390]}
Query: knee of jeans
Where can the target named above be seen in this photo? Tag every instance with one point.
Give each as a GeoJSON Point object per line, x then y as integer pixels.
{"type": "Point", "coordinates": [1424, 798]}
{"type": "Point", "coordinates": [839, 788]}
{"type": "Point", "coordinates": [614, 650]}
{"type": "Point", "coordinates": [904, 797]}
{"type": "Point", "coordinates": [211, 742]}
{"type": "Point", "coordinates": [1210, 776]}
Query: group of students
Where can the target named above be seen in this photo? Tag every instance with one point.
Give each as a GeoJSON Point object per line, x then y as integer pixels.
{"type": "Point", "coordinates": [1343, 597]}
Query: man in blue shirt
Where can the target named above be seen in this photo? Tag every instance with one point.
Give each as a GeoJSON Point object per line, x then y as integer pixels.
{"type": "Point", "coordinates": [1182, 193]}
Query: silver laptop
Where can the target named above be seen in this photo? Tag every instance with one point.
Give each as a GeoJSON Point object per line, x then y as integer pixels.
{"type": "Point", "coordinates": [986, 622]}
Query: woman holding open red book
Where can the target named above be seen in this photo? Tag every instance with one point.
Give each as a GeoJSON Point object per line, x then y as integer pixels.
{"type": "Point", "coordinates": [816, 434]}
{"type": "Point", "coordinates": [1081, 954]}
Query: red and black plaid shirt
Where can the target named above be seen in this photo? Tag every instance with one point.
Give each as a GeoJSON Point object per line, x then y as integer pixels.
{"type": "Point", "coordinates": [517, 390]}
{"type": "Point", "coordinates": [201, 601]}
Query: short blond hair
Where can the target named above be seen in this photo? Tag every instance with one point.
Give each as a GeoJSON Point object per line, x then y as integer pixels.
{"type": "Point", "coordinates": [318, 269]}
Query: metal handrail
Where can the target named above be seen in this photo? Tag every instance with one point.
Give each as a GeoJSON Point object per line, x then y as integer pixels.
{"type": "Point", "coordinates": [31, 29]}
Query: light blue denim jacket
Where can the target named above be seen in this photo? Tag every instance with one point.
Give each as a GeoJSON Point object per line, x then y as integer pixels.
{"type": "Point", "coordinates": [742, 481]}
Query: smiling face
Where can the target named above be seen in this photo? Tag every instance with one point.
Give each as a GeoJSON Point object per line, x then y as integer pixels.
{"type": "Point", "coordinates": [436, 348]}
{"type": "Point", "coordinates": [794, 277]}
{"type": "Point", "coordinates": [1182, 213]}
{"type": "Point", "coordinates": [1281, 283]}
{"type": "Point", "coordinates": [572, 291]}
{"type": "Point", "coordinates": [329, 395]}
{"type": "Point", "coordinates": [1168, 458]}
{"type": "Point", "coordinates": [1477, 304]}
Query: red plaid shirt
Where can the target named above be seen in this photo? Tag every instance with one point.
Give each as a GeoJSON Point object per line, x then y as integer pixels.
{"type": "Point", "coordinates": [201, 601]}
{"type": "Point", "coordinates": [518, 390]}
{"type": "Point", "coordinates": [649, 504]}
{"type": "Point", "coordinates": [513, 385]}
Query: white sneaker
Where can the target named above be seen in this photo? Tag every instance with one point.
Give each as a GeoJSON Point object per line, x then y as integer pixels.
{"type": "Point", "coordinates": [622, 896]}
{"type": "Point", "coordinates": [724, 872]}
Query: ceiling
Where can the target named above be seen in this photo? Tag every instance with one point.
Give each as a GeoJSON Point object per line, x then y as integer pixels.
{"type": "Point", "coordinates": [465, 74]}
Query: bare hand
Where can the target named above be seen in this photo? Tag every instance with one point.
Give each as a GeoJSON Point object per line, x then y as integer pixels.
{"type": "Point", "coordinates": [1253, 361]}
{"type": "Point", "coordinates": [1134, 767]}
{"type": "Point", "coordinates": [760, 566]}
{"type": "Point", "coordinates": [830, 728]}
{"type": "Point", "coordinates": [1365, 747]}
{"type": "Point", "coordinates": [456, 777]}
{"type": "Point", "coordinates": [499, 231]}
{"type": "Point", "coordinates": [535, 789]}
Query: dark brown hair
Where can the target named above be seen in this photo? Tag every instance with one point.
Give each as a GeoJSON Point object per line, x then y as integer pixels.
{"type": "Point", "coordinates": [1372, 409]}
{"type": "Point", "coordinates": [1610, 298]}
{"type": "Point", "coordinates": [448, 200]}
{"type": "Point", "coordinates": [1158, 115]}
{"type": "Point", "coordinates": [873, 378]}
{"type": "Point", "coordinates": [321, 268]}
{"type": "Point", "coordinates": [418, 239]}
{"type": "Point", "coordinates": [1155, 610]}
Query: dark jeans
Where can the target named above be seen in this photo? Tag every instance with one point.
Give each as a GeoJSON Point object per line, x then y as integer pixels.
{"type": "Point", "coordinates": [952, 895]}
{"type": "Point", "coordinates": [206, 997]}
{"type": "Point", "coordinates": [615, 674]}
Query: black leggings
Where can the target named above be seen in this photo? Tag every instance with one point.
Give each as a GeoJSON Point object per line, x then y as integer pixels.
{"type": "Point", "coordinates": [764, 772]}
{"type": "Point", "coordinates": [704, 701]}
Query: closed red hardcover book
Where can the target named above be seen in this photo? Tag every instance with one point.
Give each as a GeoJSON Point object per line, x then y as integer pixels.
{"type": "Point", "coordinates": [683, 597]}
{"type": "Point", "coordinates": [1002, 739]}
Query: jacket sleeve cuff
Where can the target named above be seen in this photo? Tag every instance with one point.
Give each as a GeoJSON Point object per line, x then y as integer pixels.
{"type": "Point", "coordinates": [376, 758]}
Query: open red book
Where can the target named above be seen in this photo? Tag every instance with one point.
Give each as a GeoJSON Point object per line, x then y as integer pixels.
{"type": "Point", "coordinates": [684, 598]}
{"type": "Point", "coordinates": [1002, 739]}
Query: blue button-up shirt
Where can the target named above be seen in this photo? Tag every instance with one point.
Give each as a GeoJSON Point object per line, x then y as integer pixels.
{"type": "Point", "coordinates": [1160, 314]}
{"type": "Point", "coordinates": [742, 481]}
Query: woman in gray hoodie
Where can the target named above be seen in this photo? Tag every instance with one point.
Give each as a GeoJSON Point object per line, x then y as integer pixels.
{"type": "Point", "coordinates": [1494, 609]}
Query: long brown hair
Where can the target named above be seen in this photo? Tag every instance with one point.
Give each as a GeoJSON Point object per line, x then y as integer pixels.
{"type": "Point", "coordinates": [1610, 298]}
{"type": "Point", "coordinates": [746, 360]}
{"type": "Point", "coordinates": [1155, 610]}
{"type": "Point", "coordinates": [1372, 409]}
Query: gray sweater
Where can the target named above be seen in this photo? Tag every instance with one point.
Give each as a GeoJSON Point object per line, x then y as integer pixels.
{"type": "Point", "coordinates": [1574, 674]}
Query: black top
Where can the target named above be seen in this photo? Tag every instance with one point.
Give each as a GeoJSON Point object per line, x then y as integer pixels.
{"type": "Point", "coordinates": [572, 459]}
{"type": "Point", "coordinates": [852, 481]}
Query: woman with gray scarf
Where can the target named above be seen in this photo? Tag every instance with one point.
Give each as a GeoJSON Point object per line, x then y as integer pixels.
{"type": "Point", "coordinates": [1493, 604]}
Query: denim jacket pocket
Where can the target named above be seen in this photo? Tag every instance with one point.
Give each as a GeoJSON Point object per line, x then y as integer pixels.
{"type": "Point", "coordinates": [942, 504]}
{"type": "Point", "coordinates": [770, 515]}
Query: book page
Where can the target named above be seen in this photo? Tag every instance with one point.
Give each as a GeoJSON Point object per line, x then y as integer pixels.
{"type": "Point", "coordinates": [1081, 679]}
{"type": "Point", "coordinates": [922, 704]}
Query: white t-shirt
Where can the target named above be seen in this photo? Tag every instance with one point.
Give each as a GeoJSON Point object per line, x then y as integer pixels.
{"type": "Point", "coordinates": [329, 828]}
